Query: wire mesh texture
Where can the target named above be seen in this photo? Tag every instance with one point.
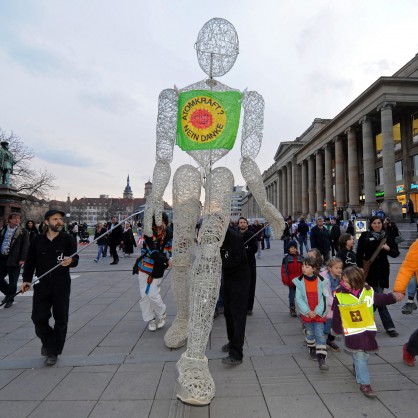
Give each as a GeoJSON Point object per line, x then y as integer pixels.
{"type": "Point", "coordinates": [196, 270]}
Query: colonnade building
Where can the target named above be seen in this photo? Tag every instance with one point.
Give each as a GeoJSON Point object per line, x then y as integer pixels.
{"type": "Point", "coordinates": [363, 159]}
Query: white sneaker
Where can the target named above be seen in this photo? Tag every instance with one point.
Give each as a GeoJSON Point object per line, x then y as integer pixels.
{"type": "Point", "coordinates": [152, 325]}
{"type": "Point", "coordinates": [161, 321]}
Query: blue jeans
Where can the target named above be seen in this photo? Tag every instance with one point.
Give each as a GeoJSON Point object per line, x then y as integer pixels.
{"type": "Point", "coordinates": [328, 326]}
{"type": "Point", "coordinates": [360, 360]}
{"type": "Point", "coordinates": [292, 293]}
{"type": "Point", "coordinates": [259, 249]}
{"type": "Point", "coordinates": [303, 240]}
{"type": "Point", "coordinates": [384, 313]}
{"type": "Point", "coordinates": [412, 288]}
{"type": "Point", "coordinates": [315, 337]}
{"type": "Point", "coordinates": [267, 239]}
{"type": "Point", "coordinates": [100, 252]}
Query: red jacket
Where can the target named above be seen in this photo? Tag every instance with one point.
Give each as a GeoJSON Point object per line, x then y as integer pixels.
{"type": "Point", "coordinates": [291, 268]}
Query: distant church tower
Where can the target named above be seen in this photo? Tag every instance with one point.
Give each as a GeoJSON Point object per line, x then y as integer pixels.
{"type": "Point", "coordinates": [148, 188]}
{"type": "Point", "coordinates": [127, 193]}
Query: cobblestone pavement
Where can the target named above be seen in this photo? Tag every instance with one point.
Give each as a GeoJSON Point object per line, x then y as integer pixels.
{"type": "Point", "coordinates": [112, 366]}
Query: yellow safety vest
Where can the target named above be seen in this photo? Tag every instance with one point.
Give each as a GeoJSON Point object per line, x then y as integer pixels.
{"type": "Point", "coordinates": [357, 312]}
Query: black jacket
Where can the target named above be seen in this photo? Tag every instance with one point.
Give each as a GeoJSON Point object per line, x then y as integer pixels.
{"type": "Point", "coordinates": [18, 247]}
{"type": "Point", "coordinates": [320, 239]}
{"type": "Point", "coordinates": [115, 235]}
{"type": "Point", "coordinates": [379, 270]}
{"type": "Point", "coordinates": [44, 254]}
{"type": "Point", "coordinates": [250, 245]}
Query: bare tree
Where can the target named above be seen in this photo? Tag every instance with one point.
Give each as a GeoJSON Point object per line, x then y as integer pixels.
{"type": "Point", "coordinates": [27, 181]}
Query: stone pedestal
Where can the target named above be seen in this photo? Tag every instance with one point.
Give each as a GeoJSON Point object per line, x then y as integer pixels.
{"type": "Point", "coordinates": [10, 201]}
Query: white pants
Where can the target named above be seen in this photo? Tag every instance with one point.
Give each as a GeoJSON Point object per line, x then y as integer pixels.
{"type": "Point", "coordinates": [152, 305]}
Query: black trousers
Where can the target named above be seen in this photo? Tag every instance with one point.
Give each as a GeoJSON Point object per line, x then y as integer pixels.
{"type": "Point", "coordinates": [9, 289]}
{"type": "Point", "coordinates": [45, 300]}
{"type": "Point", "coordinates": [236, 289]}
{"type": "Point", "coordinates": [253, 281]}
{"type": "Point", "coordinates": [113, 252]}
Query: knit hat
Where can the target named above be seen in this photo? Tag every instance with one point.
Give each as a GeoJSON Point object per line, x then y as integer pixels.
{"type": "Point", "coordinates": [293, 243]}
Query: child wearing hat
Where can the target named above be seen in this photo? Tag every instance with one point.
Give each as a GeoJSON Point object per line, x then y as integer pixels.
{"type": "Point", "coordinates": [291, 268]}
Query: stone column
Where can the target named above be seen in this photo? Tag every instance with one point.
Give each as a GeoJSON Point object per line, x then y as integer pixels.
{"type": "Point", "coordinates": [289, 189]}
{"type": "Point", "coordinates": [280, 191]}
{"type": "Point", "coordinates": [305, 199]}
{"type": "Point", "coordinates": [369, 164]}
{"type": "Point", "coordinates": [284, 189]}
{"type": "Point", "coordinates": [406, 130]}
{"type": "Point", "coordinates": [276, 201]}
{"type": "Point", "coordinates": [339, 172]}
{"type": "Point", "coordinates": [319, 184]}
{"type": "Point", "coordinates": [353, 173]}
{"type": "Point", "coordinates": [390, 205]}
{"type": "Point", "coordinates": [329, 195]}
{"type": "Point", "coordinates": [297, 189]}
{"type": "Point", "coordinates": [311, 182]}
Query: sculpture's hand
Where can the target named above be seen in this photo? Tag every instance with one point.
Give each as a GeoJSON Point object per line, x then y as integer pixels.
{"type": "Point", "coordinates": [275, 218]}
{"type": "Point", "coordinates": [153, 207]}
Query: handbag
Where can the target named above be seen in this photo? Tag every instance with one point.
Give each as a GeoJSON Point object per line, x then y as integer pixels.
{"type": "Point", "coordinates": [368, 263]}
{"type": "Point", "coordinates": [399, 239]}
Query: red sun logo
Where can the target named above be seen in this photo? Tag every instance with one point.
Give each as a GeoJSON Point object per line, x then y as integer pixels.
{"type": "Point", "coordinates": [201, 119]}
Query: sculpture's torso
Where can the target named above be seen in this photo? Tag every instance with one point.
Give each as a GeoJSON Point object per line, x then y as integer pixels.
{"type": "Point", "coordinates": [206, 158]}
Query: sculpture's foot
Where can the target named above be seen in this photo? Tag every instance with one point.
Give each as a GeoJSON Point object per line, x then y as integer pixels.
{"type": "Point", "coordinates": [197, 387]}
{"type": "Point", "coordinates": [176, 335]}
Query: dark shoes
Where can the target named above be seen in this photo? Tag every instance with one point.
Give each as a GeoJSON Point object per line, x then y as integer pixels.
{"type": "Point", "coordinates": [392, 333]}
{"type": "Point", "coordinates": [322, 362]}
{"type": "Point", "coordinates": [249, 313]}
{"type": "Point", "coordinates": [293, 312]}
{"type": "Point", "coordinates": [225, 348]}
{"type": "Point", "coordinates": [408, 308]}
{"type": "Point", "coordinates": [407, 358]}
{"type": "Point", "coordinates": [8, 304]}
{"type": "Point", "coordinates": [230, 361]}
{"type": "Point", "coordinates": [114, 262]}
{"type": "Point", "coordinates": [312, 354]}
{"type": "Point", "coordinates": [44, 351]}
{"type": "Point", "coordinates": [51, 359]}
{"type": "Point", "coordinates": [367, 391]}
{"type": "Point", "coordinates": [331, 344]}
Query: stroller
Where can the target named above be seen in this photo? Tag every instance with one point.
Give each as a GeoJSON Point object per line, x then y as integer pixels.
{"type": "Point", "coordinates": [84, 238]}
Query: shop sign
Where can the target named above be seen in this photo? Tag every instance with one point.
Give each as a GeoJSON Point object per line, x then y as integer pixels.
{"type": "Point", "coordinates": [380, 194]}
{"type": "Point", "coordinates": [414, 186]}
{"type": "Point", "coordinates": [400, 189]}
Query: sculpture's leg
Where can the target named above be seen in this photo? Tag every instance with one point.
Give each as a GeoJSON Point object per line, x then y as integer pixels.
{"type": "Point", "coordinates": [186, 210]}
{"type": "Point", "coordinates": [196, 383]}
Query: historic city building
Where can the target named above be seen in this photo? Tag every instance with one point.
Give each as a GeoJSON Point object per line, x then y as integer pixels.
{"type": "Point", "coordinates": [363, 159]}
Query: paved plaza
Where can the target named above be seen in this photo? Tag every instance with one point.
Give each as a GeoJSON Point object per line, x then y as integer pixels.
{"type": "Point", "coordinates": [112, 366]}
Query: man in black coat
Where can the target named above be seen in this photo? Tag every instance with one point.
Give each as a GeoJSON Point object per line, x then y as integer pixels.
{"type": "Point", "coordinates": [251, 250]}
{"type": "Point", "coordinates": [14, 244]}
{"type": "Point", "coordinates": [320, 238]}
{"type": "Point", "coordinates": [236, 275]}
{"type": "Point", "coordinates": [52, 293]}
{"type": "Point", "coordinates": [115, 238]}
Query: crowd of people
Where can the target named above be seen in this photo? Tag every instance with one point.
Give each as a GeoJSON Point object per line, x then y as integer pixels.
{"type": "Point", "coordinates": [323, 286]}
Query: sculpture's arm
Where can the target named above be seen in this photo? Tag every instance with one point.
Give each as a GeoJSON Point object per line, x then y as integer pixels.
{"type": "Point", "coordinates": [252, 135]}
{"type": "Point", "coordinates": [166, 138]}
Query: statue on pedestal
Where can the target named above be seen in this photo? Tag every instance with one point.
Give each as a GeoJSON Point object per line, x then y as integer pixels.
{"type": "Point", "coordinates": [7, 162]}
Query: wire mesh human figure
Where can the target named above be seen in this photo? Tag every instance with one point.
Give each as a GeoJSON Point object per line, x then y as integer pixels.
{"type": "Point", "coordinates": [195, 284]}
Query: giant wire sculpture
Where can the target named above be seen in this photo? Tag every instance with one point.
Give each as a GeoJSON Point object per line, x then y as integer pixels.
{"type": "Point", "coordinates": [203, 120]}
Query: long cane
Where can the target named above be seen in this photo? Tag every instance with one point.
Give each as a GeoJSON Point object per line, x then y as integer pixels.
{"type": "Point", "coordinates": [72, 255]}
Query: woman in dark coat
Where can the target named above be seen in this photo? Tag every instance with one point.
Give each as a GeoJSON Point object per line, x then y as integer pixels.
{"type": "Point", "coordinates": [378, 275]}
{"type": "Point", "coordinates": [31, 228]}
{"type": "Point", "coordinates": [128, 240]}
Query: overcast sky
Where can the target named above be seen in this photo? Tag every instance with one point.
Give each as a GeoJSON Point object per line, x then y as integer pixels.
{"type": "Point", "coordinates": [80, 79]}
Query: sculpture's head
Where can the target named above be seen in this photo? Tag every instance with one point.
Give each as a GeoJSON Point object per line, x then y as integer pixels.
{"type": "Point", "coordinates": [4, 144]}
{"type": "Point", "coordinates": [217, 47]}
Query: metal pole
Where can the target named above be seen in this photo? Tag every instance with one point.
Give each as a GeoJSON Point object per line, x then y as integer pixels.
{"type": "Point", "coordinates": [72, 255]}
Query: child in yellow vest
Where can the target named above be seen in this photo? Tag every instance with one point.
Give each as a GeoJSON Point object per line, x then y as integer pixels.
{"type": "Point", "coordinates": [353, 315]}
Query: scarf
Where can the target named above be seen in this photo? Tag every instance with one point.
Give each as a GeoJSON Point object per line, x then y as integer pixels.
{"type": "Point", "coordinates": [8, 236]}
{"type": "Point", "coordinates": [378, 235]}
